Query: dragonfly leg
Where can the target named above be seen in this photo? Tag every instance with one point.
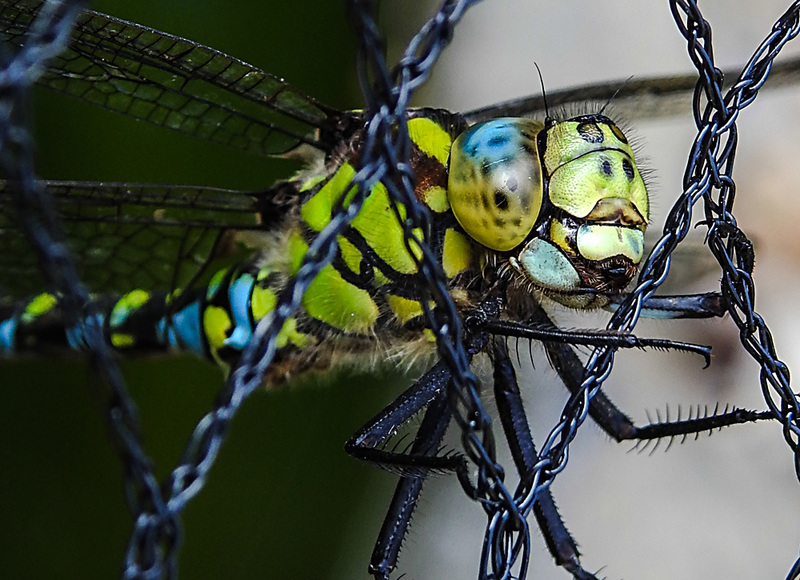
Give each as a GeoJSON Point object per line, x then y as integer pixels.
{"type": "Point", "coordinates": [367, 443]}
{"type": "Point", "coordinates": [517, 431]}
{"type": "Point", "coordinates": [708, 305]}
{"type": "Point", "coordinates": [404, 501]}
{"type": "Point", "coordinates": [414, 465]}
{"type": "Point", "coordinates": [423, 456]}
{"type": "Point", "coordinates": [619, 426]}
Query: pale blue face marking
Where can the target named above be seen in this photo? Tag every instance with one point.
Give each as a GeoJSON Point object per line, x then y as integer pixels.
{"type": "Point", "coordinates": [547, 266]}
{"type": "Point", "coordinates": [8, 335]}
{"type": "Point", "coordinates": [239, 294]}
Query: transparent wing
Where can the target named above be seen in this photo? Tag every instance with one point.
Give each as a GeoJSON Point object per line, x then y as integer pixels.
{"type": "Point", "coordinates": [176, 83]}
{"type": "Point", "coordinates": [632, 100]}
{"type": "Point", "coordinates": [153, 236]}
{"type": "Point", "coordinates": [127, 236]}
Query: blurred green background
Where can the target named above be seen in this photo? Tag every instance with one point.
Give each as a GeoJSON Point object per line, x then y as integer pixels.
{"type": "Point", "coordinates": [283, 501]}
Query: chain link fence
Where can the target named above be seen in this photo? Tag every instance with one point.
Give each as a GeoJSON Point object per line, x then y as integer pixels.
{"type": "Point", "coordinates": [157, 506]}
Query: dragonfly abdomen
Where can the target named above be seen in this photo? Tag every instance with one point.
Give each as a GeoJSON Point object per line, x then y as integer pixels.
{"type": "Point", "coordinates": [136, 322]}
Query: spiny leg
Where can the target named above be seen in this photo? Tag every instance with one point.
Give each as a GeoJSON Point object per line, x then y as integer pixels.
{"type": "Point", "coordinates": [428, 390]}
{"type": "Point", "coordinates": [422, 457]}
{"type": "Point", "coordinates": [517, 430]}
{"type": "Point", "coordinates": [404, 501]}
{"type": "Point", "coordinates": [366, 443]}
{"type": "Point", "coordinates": [570, 368]}
{"type": "Point", "coordinates": [618, 425]}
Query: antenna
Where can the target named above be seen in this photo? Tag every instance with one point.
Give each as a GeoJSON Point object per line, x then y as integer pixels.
{"type": "Point", "coordinates": [614, 96]}
{"type": "Point", "coordinates": [548, 120]}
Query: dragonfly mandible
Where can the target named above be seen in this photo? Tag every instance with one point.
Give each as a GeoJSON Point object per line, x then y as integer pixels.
{"type": "Point", "coordinates": [175, 278]}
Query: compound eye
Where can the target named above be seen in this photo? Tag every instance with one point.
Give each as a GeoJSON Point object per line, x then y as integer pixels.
{"type": "Point", "coordinates": [495, 181]}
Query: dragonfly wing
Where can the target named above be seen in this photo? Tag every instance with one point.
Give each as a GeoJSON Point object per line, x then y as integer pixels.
{"type": "Point", "coordinates": [176, 83]}
{"type": "Point", "coordinates": [631, 100]}
{"type": "Point", "coordinates": [126, 236]}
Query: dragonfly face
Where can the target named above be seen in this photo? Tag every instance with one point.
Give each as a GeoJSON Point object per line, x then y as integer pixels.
{"type": "Point", "coordinates": [566, 201]}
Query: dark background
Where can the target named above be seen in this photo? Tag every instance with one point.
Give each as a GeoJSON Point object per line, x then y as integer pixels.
{"type": "Point", "coordinates": [283, 501]}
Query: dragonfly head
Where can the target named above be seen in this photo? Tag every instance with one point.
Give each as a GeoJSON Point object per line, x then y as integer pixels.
{"type": "Point", "coordinates": [565, 204]}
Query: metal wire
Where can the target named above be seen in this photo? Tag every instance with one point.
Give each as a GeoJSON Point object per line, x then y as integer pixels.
{"type": "Point", "coordinates": [708, 178]}
{"type": "Point", "coordinates": [152, 548]}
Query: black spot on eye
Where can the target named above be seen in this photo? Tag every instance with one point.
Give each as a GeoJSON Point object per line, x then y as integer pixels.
{"type": "Point", "coordinates": [590, 132]}
{"type": "Point", "coordinates": [497, 141]}
{"type": "Point", "coordinates": [501, 200]}
{"type": "Point", "coordinates": [627, 167]}
{"type": "Point", "coordinates": [607, 167]}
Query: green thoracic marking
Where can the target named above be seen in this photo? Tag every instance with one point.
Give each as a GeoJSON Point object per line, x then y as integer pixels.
{"type": "Point", "coordinates": [430, 138]}
{"type": "Point", "coordinates": [350, 254]}
{"type": "Point", "coordinates": [435, 197]}
{"type": "Point", "coordinates": [330, 298]}
{"type": "Point", "coordinates": [297, 248]}
{"type": "Point", "coordinates": [457, 253]}
{"type": "Point", "coordinates": [378, 224]}
{"type": "Point", "coordinates": [290, 335]}
{"type": "Point", "coordinates": [333, 300]}
{"type": "Point", "coordinates": [403, 308]}
{"type": "Point", "coordinates": [262, 302]}
{"type": "Point", "coordinates": [317, 210]}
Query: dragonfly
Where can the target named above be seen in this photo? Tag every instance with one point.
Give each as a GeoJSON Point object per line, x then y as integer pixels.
{"type": "Point", "coordinates": [189, 268]}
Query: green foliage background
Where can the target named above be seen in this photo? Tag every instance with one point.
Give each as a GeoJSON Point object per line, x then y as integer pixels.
{"type": "Point", "coordinates": [283, 501]}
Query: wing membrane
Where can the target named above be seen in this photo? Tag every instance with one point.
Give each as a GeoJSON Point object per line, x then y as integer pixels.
{"type": "Point", "coordinates": [128, 236]}
{"type": "Point", "coordinates": [633, 100]}
{"type": "Point", "coordinates": [175, 83]}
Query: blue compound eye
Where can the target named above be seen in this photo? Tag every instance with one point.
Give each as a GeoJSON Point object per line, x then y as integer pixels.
{"type": "Point", "coordinates": [495, 182]}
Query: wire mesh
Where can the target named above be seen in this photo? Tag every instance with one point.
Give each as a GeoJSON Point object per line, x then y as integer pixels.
{"type": "Point", "coordinates": [708, 173]}
{"type": "Point", "coordinates": [152, 551]}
